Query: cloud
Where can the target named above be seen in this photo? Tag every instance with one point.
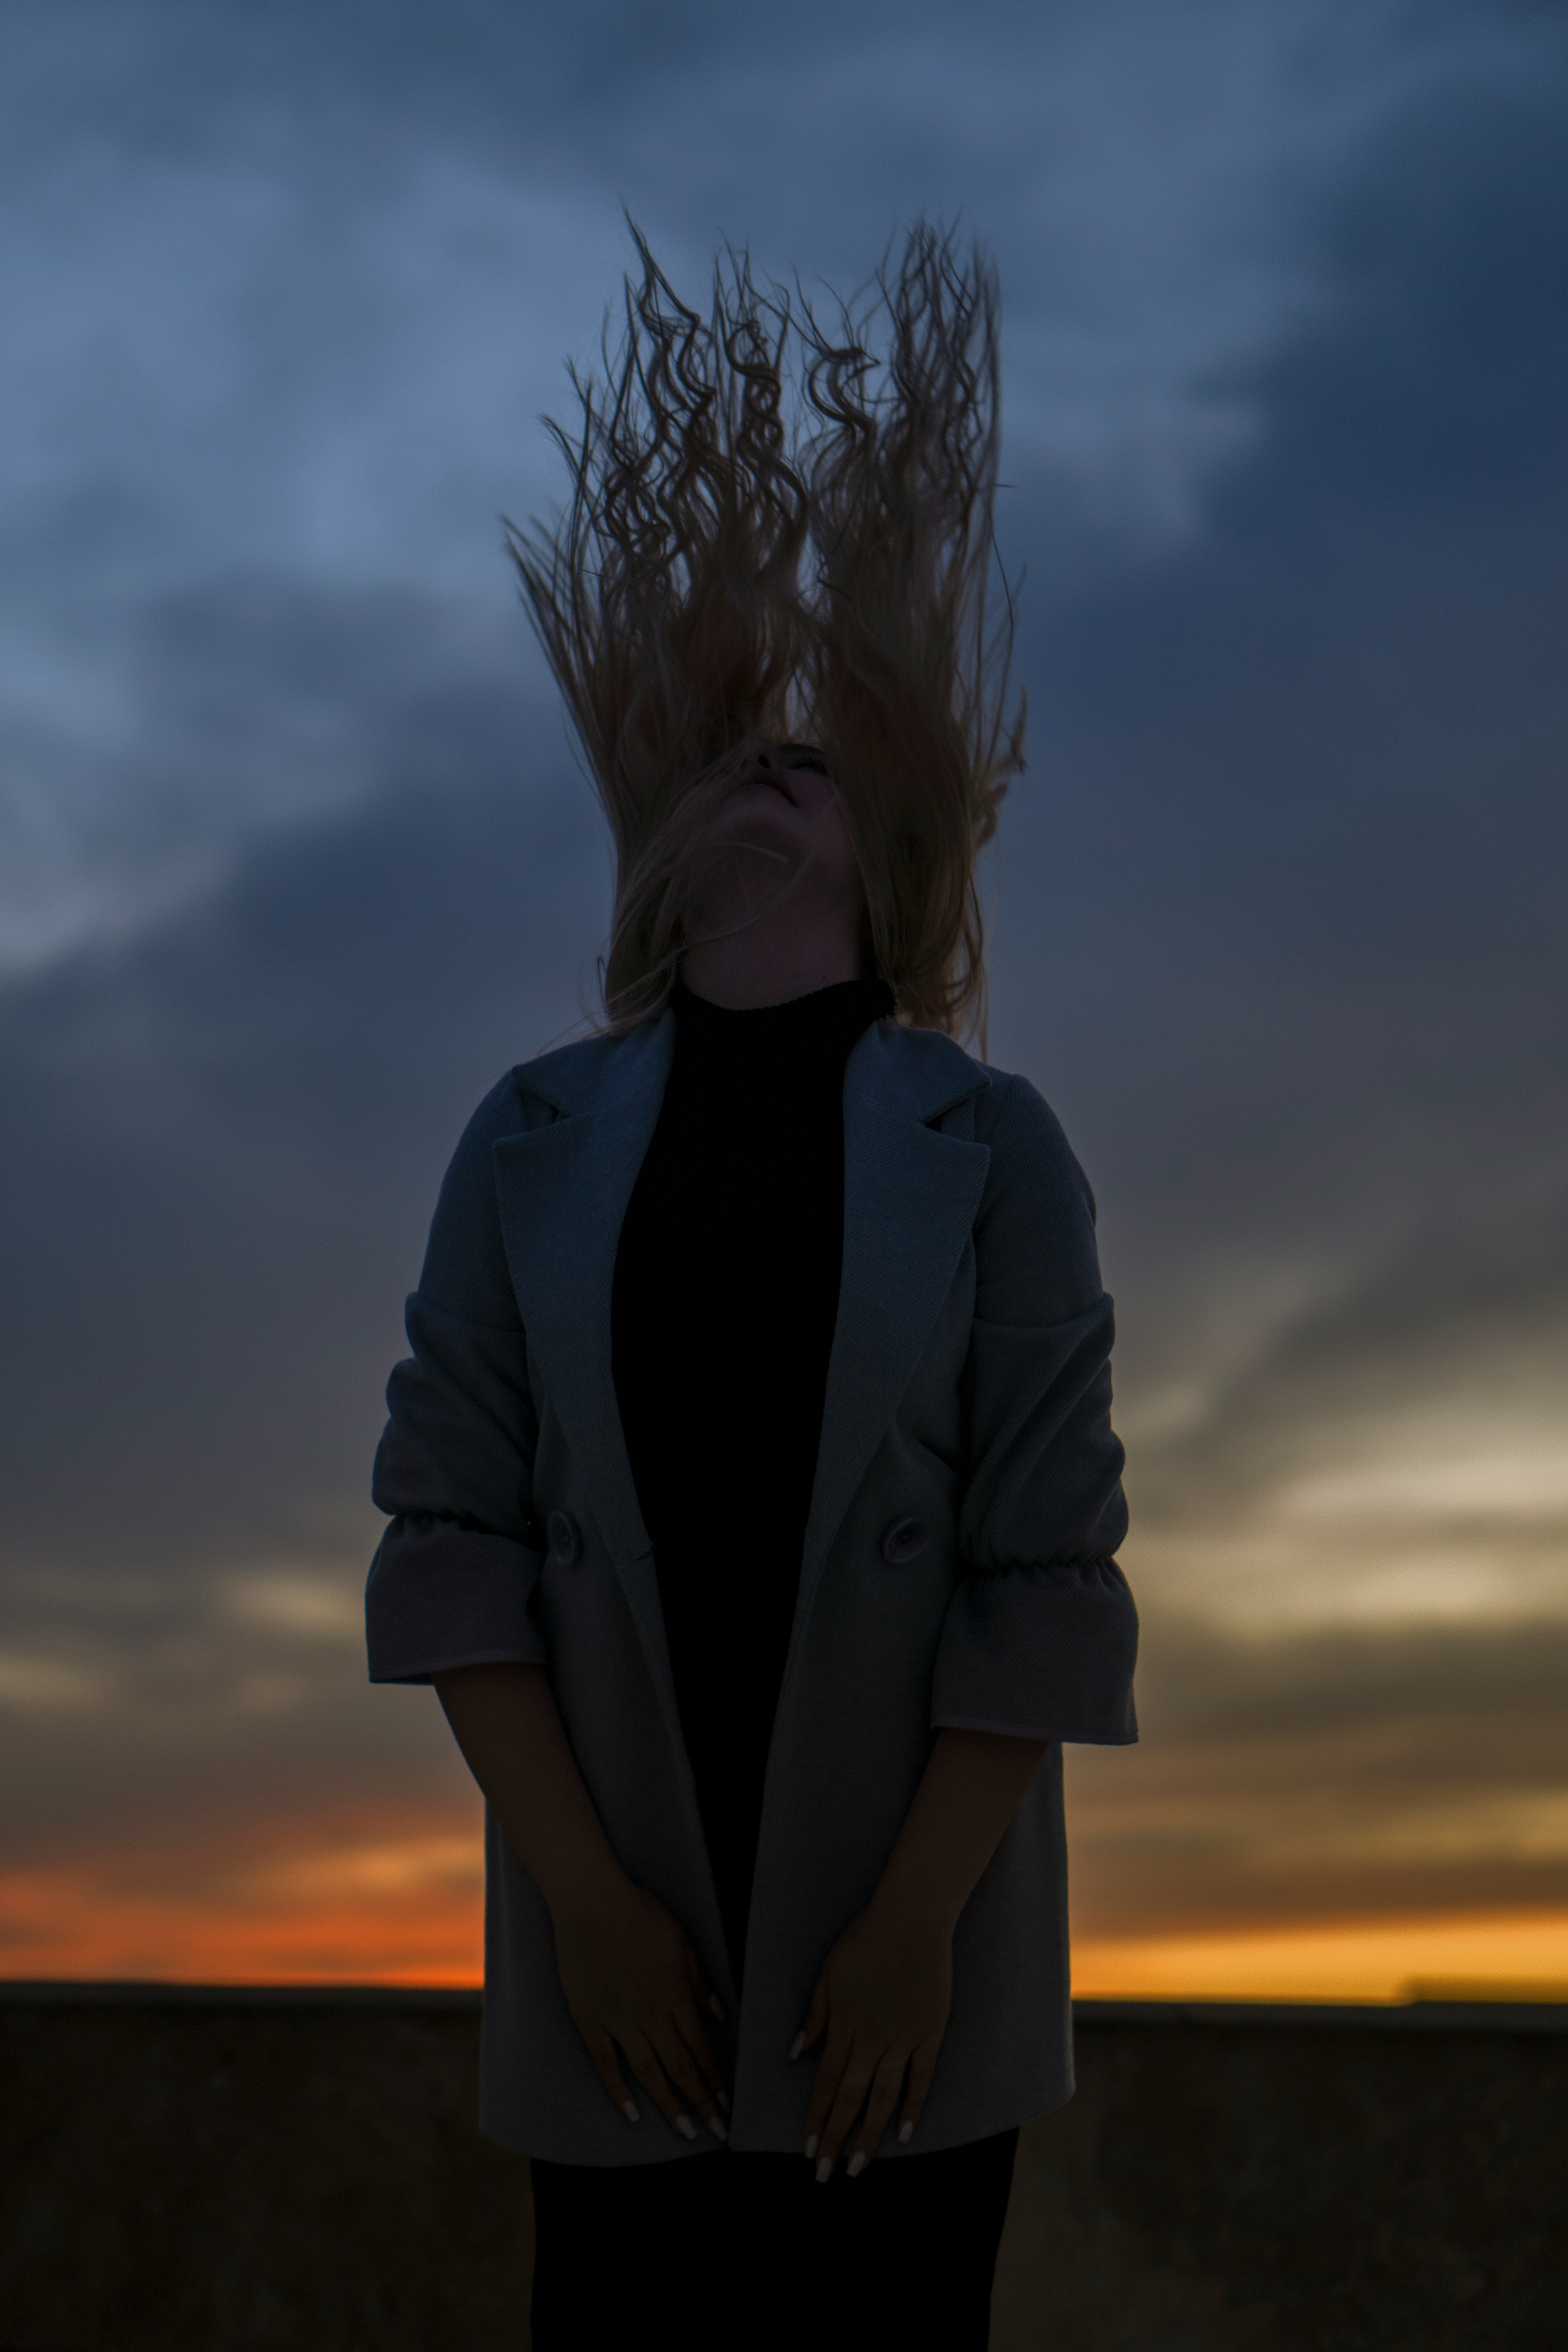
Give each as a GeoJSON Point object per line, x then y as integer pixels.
{"type": "Point", "coordinates": [302, 1899]}
{"type": "Point", "coordinates": [224, 1143]}
{"type": "Point", "coordinates": [1278, 923]}
{"type": "Point", "coordinates": [27, 1682]}
{"type": "Point", "coordinates": [1390, 1449]}
{"type": "Point", "coordinates": [307, 1609]}
{"type": "Point", "coordinates": [250, 704]}
{"type": "Point", "coordinates": [1357, 1771]}
{"type": "Point", "coordinates": [290, 291]}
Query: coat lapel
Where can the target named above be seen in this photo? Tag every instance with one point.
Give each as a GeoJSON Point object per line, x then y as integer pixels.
{"type": "Point", "coordinates": [911, 1194]}
{"type": "Point", "coordinates": [563, 1190]}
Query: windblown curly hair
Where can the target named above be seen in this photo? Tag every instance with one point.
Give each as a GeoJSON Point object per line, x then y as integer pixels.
{"type": "Point", "coordinates": [777, 532]}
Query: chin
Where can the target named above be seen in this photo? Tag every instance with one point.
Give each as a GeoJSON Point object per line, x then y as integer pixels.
{"type": "Point", "coordinates": [761, 826]}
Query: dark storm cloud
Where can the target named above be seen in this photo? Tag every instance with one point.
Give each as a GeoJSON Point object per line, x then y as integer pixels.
{"type": "Point", "coordinates": [1288, 951]}
{"type": "Point", "coordinates": [288, 283]}
{"type": "Point", "coordinates": [1309, 769]}
{"type": "Point", "coordinates": [262, 700]}
{"type": "Point", "coordinates": [1462, 1315]}
{"type": "Point", "coordinates": [1373, 1772]}
{"type": "Point", "coordinates": [222, 1140]}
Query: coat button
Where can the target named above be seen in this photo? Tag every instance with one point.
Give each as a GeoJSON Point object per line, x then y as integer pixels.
{"type": "Point", "coordinates": [905, 1539]}
{"type": "Point", "coordinates": [565, 1539]}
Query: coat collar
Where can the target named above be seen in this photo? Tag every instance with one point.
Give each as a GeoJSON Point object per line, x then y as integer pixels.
{"type": "Point", "coordinates": [910, 1193]}
{"type": "Point", "coordinates": [562, 1190]}
{"type": "Point", "coordinates": [917, 1073]}
{"type": "Point", "coordinates": [911, 1196]}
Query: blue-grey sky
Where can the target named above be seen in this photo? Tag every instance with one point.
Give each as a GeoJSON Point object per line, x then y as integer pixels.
{"type": "Point", "coordinates": [294, 858]}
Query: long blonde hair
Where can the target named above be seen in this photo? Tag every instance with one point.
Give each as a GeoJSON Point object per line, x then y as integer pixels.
{"type": "Point", "coordinates": [776, 532]}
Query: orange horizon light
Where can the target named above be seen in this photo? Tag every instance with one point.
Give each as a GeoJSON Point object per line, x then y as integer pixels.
{"type": "Point", "coordinates": [377, 1899]}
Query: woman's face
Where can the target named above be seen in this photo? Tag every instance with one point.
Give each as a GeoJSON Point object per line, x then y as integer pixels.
{"type": "Point", "coordinates": [784, 817]}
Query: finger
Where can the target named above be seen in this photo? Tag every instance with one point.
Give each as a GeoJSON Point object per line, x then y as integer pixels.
{"type": "Point", "coordinates": [644, 2062]}
{"type": "Point", "coordinates": [847, 2101]}
{"type": "Point", "coordinates": [607, 2067]}
{"type": "Point", "coordinates": [707, 1997]}
{"type": "Point", "coordinates": [815, 2019]}
{"type": "Point", "coordinates": [922, 2066]}
{"type": "Point", "coordinates": [693, 2028]}
{"type": "Point", "coordinates": [825, 2089]}
{"type": "Point", "coordinates": [880, 2101]}
{"type": "Point", "coordinates": [693, 2034]}
{"type": "Point", "coordinates": [682, 2069]}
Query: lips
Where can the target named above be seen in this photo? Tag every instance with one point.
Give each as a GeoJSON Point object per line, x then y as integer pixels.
{"type": "Point", "coordinates": [773, 784]}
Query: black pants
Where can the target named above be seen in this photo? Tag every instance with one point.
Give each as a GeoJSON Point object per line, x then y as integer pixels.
{"type": "Point", "coordinates": [750, 2250]}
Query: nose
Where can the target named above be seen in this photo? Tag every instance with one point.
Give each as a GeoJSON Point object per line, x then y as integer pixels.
{"type": "Point", "coordinates": [761, 761]}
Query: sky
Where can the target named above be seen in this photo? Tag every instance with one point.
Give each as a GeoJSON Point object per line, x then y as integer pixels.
{"type": "Point", "coordinates": [295, 860]}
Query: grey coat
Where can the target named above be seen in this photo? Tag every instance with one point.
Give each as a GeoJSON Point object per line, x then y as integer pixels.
{"type": "Point", "coordinates": [968, 1391]}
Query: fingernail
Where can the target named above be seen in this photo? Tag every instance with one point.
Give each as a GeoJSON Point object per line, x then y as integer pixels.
{"type": "Point", "coordinates": [685, 2127]}
{"type": "Point", "coordinates": [905, 2133]}
{"type": "Point", "coordinates": [824, 2167]}
{"type": "Point", "coordinates": [628, 2109]}
{"type": "Point", "coordinates": [811, 2147]}
{"type": "Point", "coordinates": [724, 2100]}
{"type": "Point", "coordinates": [857, 2163]}
{"type": "Point", "coordinates": [716, 2126]}
{"type": "Point", "coordinates": [795, 2047]}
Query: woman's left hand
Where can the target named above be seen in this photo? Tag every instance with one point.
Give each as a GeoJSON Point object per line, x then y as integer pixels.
{"type": "Point", "coordinates": [882, 1999]}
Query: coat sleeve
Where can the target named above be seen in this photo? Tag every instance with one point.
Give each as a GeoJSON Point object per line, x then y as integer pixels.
{"type": "Point", "coordinates": [453, 1578]}
{"type": "Point", "coordinates": [1041, 1634]}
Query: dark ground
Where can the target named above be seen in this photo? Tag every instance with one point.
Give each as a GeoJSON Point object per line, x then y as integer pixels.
{"type": "Point", "coordinates": [193, 2170]}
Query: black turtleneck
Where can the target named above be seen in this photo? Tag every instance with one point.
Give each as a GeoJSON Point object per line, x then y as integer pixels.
{"type": "Point", "coordinates": [726, 1293]}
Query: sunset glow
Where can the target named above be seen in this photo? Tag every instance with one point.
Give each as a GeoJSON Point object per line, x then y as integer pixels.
{"type": "Point", "coordinates": [371, 1903]}
{"type": "Point", "coordinates": [1502, 1955]}
{"type": "Point", "coordinates": [385, 1902]}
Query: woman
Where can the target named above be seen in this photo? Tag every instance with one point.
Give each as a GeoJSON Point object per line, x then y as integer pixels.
{"type": "Point", "coordinates": [753, 1488]}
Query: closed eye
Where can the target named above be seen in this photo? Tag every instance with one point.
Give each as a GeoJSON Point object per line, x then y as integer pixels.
{"type": "Point", "coordinates": [804, 755]}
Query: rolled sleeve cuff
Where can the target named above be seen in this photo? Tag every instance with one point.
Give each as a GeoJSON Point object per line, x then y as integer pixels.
{"type": "Point", "coordinates": [442, 1596]}
{"type": "Point", "coordinates": [1040, 1653]}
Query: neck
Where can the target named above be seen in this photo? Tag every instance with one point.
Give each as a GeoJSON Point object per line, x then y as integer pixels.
{"type": "Point", "coordinates": [763, 965]}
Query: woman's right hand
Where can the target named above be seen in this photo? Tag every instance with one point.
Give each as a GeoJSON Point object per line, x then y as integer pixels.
{"type": "Point", "coordinates": [635, 1990]}
{"type": "Point", "coordinates": [632, 1982]}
